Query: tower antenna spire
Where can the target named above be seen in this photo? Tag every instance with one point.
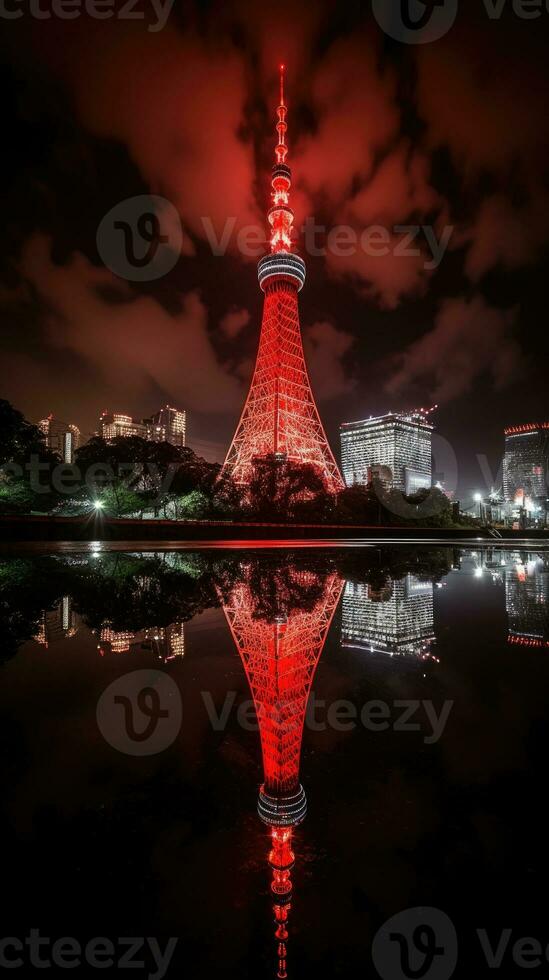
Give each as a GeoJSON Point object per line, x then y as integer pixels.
{"type": "Point", "coordinates": [281, 149]}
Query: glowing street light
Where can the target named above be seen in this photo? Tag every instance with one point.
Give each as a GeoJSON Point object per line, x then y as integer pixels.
{"type": "Point", "coordinates": [98, 505]}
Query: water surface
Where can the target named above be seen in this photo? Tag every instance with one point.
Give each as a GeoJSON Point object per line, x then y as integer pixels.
{"type": "Point", "coordinates": [422, 675]}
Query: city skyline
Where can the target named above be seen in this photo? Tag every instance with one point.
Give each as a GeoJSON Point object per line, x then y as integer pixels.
{"type": "Point", "coordinates": [377, 329]}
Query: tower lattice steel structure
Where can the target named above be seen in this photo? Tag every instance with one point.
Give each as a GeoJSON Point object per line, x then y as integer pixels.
{"type": "Point", "coordinates": [280, 416]}
{"type": "Point", "coordinates": [280, 653]}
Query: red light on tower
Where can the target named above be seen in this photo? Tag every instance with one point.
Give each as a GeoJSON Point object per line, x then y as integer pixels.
{"type": "Point", "coordinates": [280, 654]}
{"type": "Point", "coordinates": [280, 415]}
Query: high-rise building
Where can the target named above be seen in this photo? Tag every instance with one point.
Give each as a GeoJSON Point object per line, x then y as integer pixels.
{"type": "Point", "coordinates": [527, 600]}
{"type": "Point", "coordinates": [58, 623]}
{"type": "Point", "coordinates": [62, 438]}
{"type": "Point", "coordinates": [167, 643]}
{"type": "Point", "coordinates": [526, 465]}
{"type": "Point", "coordinates": [395, 448]}
{"type": "Point", "coordinates": [395, 619]}
{"type": "Point", "coordinates": [114, 425]}
{"type": "Point", "coordinates": [280, 416]}
{"type": "Point", "coordinates": [167, 425]}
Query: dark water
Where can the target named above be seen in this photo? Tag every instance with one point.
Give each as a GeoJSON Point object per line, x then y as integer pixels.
{"type": "Point", "coordinates": [423, 756]}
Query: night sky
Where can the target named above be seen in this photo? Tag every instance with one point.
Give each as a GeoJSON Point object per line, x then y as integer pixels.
{"type": "Point", "coordinates": [450, 134]}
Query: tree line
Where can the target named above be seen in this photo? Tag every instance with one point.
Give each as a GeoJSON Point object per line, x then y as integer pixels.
{"type": "Point", "coordinates": [131, 477]}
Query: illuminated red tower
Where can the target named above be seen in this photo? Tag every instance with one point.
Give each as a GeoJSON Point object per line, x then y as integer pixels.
{"type": "Point", "coordinates": [280, 416]}
{"type": "Point", "coordinates": [280, 652]}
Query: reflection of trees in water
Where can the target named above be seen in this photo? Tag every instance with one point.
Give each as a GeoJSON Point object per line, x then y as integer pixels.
{"type": "Point", "coordinates": [377, 566]}
{"type": "Point", "coordinates": [133, 591]}
{"type": "Point", "coordinates": [129, 591]}
{"type": "Point", "coordinates": [279, 585]}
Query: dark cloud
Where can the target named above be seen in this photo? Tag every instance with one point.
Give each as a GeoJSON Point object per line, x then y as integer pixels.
{"type": "Point", "coordinates": [233, 322]}
{"type": "Point", "coordinates": [133, 342]}
{"type": "Point", "coordinates": [445, 134]}
{"type": "Point", "coordinates": [469, 340]}
{"type": "Point", "coordinates": [326, 349]}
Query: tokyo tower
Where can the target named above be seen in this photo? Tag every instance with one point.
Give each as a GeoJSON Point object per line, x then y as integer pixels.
{"type": "Point", "coordinates": [280, 417]}
{"type": "Point", "coordinates": [280, 649]}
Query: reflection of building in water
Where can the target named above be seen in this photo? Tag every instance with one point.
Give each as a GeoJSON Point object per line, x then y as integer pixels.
{"type": "Point", "coordinates": [395, 618]}
{"type": "Point", "coordinates": [280, 645]}
{"type": "Point", "coordinates": [176, 641]}
{"type": "Point", "coordinates": [118, 640]}
{"type": "Point", "coordinates": [58, 623]}
{"type": "Point", "coordinates": [167, 643]}
{"type": "Point", "coordinates": [527, 600]}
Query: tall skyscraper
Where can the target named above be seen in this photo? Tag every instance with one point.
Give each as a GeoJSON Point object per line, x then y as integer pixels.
{"type": "Point", "coordinates": [62, 438]}
{"type": "Point", "coordinates": [395, 448]}
{"type": "Point", "coordinates": [395, 619]}
{"type": "Point", "coordinates": [280, 416]}
{"type": "Point", "coordinates": [527, 600]}
{"type": "Point", "coordinates": [526, 465]}
{"type": "Point", "coordinates": [58, 623]}
{"type": "Point", "coordinates": [167, 425]}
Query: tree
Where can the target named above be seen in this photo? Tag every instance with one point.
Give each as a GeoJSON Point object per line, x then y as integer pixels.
{"type": "Point", "coordinates": [26, 465]}
{"type": "Point", "coordinates": [193, 506]}
{"type": "Point", "coordinates": [120, 501]}
{"type": "Point", "coordinates": [281, 489]}
{"type": "Point", "coordinates": [358, 504]}
{"type": "Point", "coordinates": [16, 497]}
{"type": "Point", "coordinates": [19, 439]}
{"type": "Point", "coordinates": [161, 473]}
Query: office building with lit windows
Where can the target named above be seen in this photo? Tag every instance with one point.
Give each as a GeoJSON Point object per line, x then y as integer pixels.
{"type": "Point", "coordinates": [396, 619]}
{"type": "Point", "coordinates": [167, 425]}
{"type": "Point", "coordinates": [527, 600]}
{"type": "Point", "coordinates": [394, 448]}
{"type": "Point", "coordinates": [116, 425]}
{"type": "Point", "coordinates": [526, 465]}
{"type": "Point", "coordinates": [62, 438]}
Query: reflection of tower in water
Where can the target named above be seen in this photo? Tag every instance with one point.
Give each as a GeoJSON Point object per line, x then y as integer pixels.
{"type": "Point", "coordinates": [527, 600]}
{"type": "Point", "coordinates": [394, 617]}
{"type": "Point", "coordinates": [280, 642]}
